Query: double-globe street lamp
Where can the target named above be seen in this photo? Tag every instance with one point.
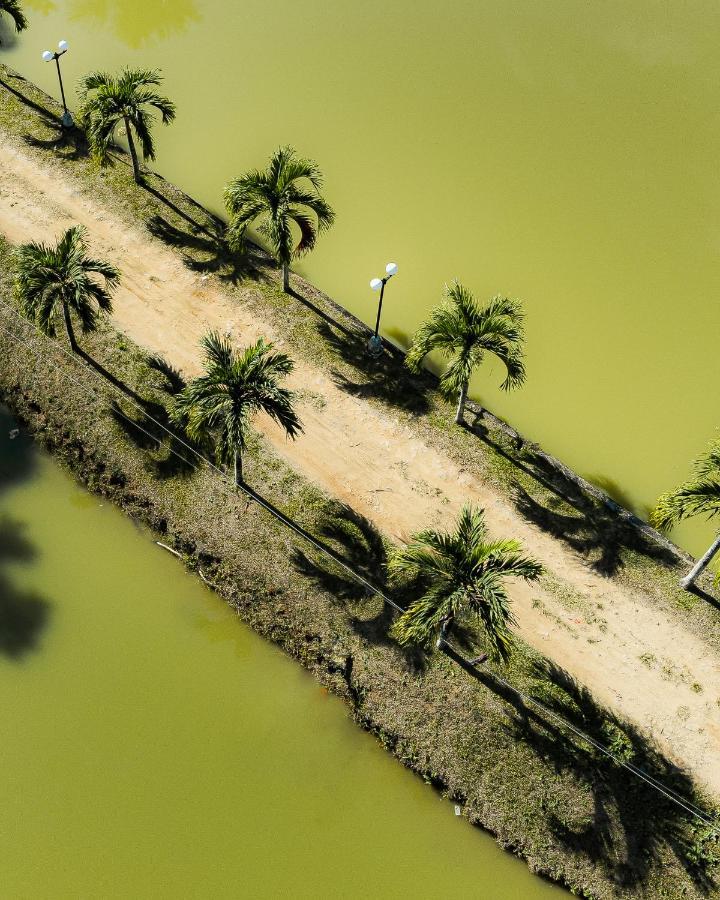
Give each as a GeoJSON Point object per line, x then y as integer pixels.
{"type": "Point", "coordinates": [48, 56]}
{"type": "Point", "coordinates": [375, 345]}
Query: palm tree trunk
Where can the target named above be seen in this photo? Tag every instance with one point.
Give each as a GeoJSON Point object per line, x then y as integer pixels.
{"type": "Point", "coordinates": [238, 468]}
{"type": "Point", "coordinates": [286, 277]}
{"type": "Point", "coordinates": [69, 328]}
{"type": "Point", "coordinates": [133, 151]}
{"type": "Point", "coordinates": [445, 628]}
{"type": "Point", "coordinates": [700, 565]}
{"type": "Point", "coordinates": [460, 414]}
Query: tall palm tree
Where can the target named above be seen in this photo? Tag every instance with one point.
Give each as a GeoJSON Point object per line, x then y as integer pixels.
{"type": "Point", "coordinates": [14, 10]}
{"type": "Point", "coordinates": [233, 388]}
{"type": "Point", "coordinates": [464, 332]}
{"type": "Point", "coordinates": [461, 572]}
{"type": "Point", "coordinates": [128, 99]}
{"type": "Point", "coordinates": [54, 281]}
{"type": "Point", "coordinates": [287, 192]}
{"type": "Point", "coordinates": [697, 496]}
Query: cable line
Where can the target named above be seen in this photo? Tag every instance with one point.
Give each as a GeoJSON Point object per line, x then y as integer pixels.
{"type": "Point", "coordinates": [442, 645]}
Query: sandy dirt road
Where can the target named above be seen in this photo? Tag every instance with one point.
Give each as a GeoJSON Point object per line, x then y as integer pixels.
{"type": "Point", "coordinates": [370, 460]}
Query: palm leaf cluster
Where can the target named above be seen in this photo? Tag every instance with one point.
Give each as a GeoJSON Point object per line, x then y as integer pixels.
{"type": "Point", "coordinates": [223, 401]}
{"type": "Point", "coordinates": [130, 100]}
{"type": "Point", "coordinates": [14, 9]}
{"type": "Point", "coordinates": [699, 495]}
{"type": "Point", "coordinates": [463, 332]}
{"type": "Point", "coordinates": [283, 196]}
{"type": "Point", "coordinates": [55, 281]}
{"type": "Point", "coordinates": [462, 572]}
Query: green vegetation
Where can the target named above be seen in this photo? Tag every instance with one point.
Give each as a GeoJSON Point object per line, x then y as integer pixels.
{"type": "Point", "coordinates": [235, 386]}
{"type": "Point", "coordinates": [462, 572]}
{"type": "Point", "coordinates": [57, 281]}
{"type": "Point", "coordinates": [464, 332]}
{"type": "Point", "coordinates": [287, 193]}
{"type": "Point", "coordinates": [13, 8]}
{"type": "Point", "coordinates": [698, 496]}
{"type": "Point", "coordinates": [128, 99]}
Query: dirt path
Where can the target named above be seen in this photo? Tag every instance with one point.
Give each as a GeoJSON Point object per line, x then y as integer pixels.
{"type": "Point", "coordinates": [366, 458]}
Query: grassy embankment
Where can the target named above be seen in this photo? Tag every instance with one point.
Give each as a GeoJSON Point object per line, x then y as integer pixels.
{"type": "Point", "coordinates": [572, 814]}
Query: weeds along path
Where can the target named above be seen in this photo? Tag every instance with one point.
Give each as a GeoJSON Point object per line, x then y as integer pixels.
{"type": "Point", "coordinates": [634, 657]}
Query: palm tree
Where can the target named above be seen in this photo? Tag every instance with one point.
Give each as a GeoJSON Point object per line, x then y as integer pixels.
{"type": "Point", "coordinates": [234, 386]}
{"type": "Point", "coordinates": [14, 10]}
{"type": "Point", "coordinates": [127, 99]}
{"type": "Point", "coordinates": [57, 281]}
{"type": "Point", "coordinates": [464, 332]}
{"type": "Point", "coordinates": [699, 495]}
{"type": "Point", "coordinates": [460, 572]}
{"type": "Point", "coordinates": [287, 192]}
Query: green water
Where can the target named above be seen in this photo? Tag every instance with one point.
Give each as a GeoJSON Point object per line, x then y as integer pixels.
{"type": "Point", "coordinates": [565, 153]}
{"type": "Point", "coordinates": [153, 746]}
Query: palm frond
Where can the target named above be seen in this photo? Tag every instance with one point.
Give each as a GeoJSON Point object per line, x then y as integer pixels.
{"type": "Point", "coordinates": [464, 574]}
{"type": "Point", "coordinates": [463, 332]}
{"type": "Point", "coordinates": [15, 11]}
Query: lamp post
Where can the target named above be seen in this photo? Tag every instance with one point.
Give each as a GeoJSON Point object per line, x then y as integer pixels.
{"type": "Point", "coordinates": [48, 56]}
{"type": "Point", "coordinates": [375, 344]}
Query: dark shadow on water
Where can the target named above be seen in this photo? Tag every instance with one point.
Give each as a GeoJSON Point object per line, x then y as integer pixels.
{"type": "Point", "coordinates": [384, 377]}
{"type": "Point", "coordinates": [626, 826]}
{"type": "Point", "coordinates": [23, 614]}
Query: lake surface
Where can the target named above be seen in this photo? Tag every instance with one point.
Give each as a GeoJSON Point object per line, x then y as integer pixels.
{"type": "Point", "coordinates": [154, 746]}
{"type": "Point", "coordinates": [564, 153]}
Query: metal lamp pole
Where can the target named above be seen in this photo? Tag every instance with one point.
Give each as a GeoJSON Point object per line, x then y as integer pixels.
{"type": "Point", "coordinates": [48, 55]}
{"type": "Point", "coordinates": [375, 345]}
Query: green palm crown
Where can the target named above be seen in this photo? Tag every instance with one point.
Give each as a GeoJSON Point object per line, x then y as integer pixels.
{"type": "Point", "coordinates": [698, 495]}
{"type": "Point", "coordinates": [462, 573]}
{"type": "Point", "coordinates": [128, 99]}
{"type": "Point", "coordinates": [14, 10]}
{"type": "Point", "coordinates": [287, 193]}
{"type": "Point", "coordinates": [463, 332]}
{"type": "Point", "coordinates": [234, 387]}
{"type": "Point", "coordinates": [54, 281]}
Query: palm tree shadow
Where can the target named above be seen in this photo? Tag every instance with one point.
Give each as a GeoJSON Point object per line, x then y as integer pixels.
{"type": "Point", "coordinates": [108, 376]}
{"type": "Point", "coordinates": [384, 377]}
{"type": "Point", "coordinates": [169, 451]}
{"type": "Point", "coordinates": [70, 143]}
{"type": "Point", "coordinates": [630, 823]}
{"type": "Point", "coordinates": [591, 529]}
{"type": "Point", "coordinates": [626, 826]}
{"type": "Point", "coordinates": [23, 614]}
{"type": "Point", "coordinates": [207, 250]}
{"type": "Point", "coordinates": [356, 542]}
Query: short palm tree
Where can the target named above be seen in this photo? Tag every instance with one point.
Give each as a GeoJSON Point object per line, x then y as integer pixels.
{"type": "Point", "coordinates": [54, 281]}
{"type": "Point", "coordinates": [128, 99]}
{"type": "Point", "coordinates": [234, 387]}
{"type": "Point", "coordinates": [464, 332]}
{"type": "Point", "coordinates": [286, 193]}
{"type": "Point", "coordinates": [460, 572]}
{"type": "Point", "coordinates": [14, 10]}
{"type": "Point", "coordinates": [698, 496]}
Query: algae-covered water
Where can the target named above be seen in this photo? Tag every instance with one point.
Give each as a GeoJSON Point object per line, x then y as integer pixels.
{"type": "Point", "coordinates": [153, 746]}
